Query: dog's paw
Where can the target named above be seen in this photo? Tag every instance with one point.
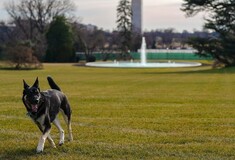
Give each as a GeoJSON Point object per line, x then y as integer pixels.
{"type": "Point", "coordinates": [39, 151]}
{"type": "Point", "coordinates": [53, 146]}
{"type": "Point", "coordinates": [70, 138]}
{"type": "Point", "coordinates": [61, 143]}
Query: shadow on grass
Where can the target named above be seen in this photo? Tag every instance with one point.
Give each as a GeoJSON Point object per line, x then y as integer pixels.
{"type": "Point", "coordinates": [30, 153]}
{"type": "Point", "coordinates": [19, 69]}
{"type": "Point", "coordinates": [18, 154]}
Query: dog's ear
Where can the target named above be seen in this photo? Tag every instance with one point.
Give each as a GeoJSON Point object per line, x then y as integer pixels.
{"type": "Point", "coordinates": [36, 83]}
{"type": "Point", "coordinates": [25, 84]}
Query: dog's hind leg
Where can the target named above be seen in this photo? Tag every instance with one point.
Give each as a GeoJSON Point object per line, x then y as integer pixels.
{"type": "Point", "coordinates": [56, 122]}
{"type": "Point", "coordinates": [69, 130]}
{"type": "Point", "coordinates": [51, 141]}
{"type": "Point", "coordinates": [67, 119]}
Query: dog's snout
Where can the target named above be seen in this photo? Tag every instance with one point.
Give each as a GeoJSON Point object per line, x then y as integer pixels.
{"type": "Point", "coordinates": [36, 101]}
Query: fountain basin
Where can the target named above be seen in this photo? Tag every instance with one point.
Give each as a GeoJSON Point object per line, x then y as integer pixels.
{"type": "Point", "coordinates": [141, 65]}
{"type": "Point", "coordinates": [143, 62]}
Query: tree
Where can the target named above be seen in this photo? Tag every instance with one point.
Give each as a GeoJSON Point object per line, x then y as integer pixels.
{"type": "Point", "coordinates": [220, 19]}
{"type": "Point", "coordinates": [60, 41]}
{"type": "Point", "coordinates": [124, 26]}
{"type": "Point", "coordinates": [37, 13]}
{"type": "Point", "coordinates": [168, 37]}
{"type": "Point", "coordinates": [32, 17]}
{"type": "Point", "coordinates": [88, 40]}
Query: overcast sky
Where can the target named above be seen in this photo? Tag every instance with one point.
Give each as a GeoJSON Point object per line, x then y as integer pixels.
{"type": "Point", "coordinates": [157, 14]}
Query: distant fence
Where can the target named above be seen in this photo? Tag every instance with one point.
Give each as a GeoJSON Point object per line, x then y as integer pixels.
{"type": "Point", "coordinates": [151, 55]}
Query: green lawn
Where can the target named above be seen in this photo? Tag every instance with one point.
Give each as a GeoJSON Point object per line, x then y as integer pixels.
{"type": "Point", "coordinates": [184, 113]}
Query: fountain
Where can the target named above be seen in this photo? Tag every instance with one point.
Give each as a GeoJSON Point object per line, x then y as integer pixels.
{"type": "Point", "coordinates": [137, 23]}
{"type": "Point", "coordinates": [143, 52]}
{"type": "Point", "coordinates": [143, 62]}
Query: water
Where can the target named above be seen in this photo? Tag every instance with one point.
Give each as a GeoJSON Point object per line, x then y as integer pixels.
{"type": "Point", "coordinates": [140, 65]}
{"type": "Point", "coordinates": [143, 52]}
{"type": "Point", "coordinates": [143, 62]}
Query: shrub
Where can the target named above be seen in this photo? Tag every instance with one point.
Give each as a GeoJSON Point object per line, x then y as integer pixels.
{"type": "Point", "coordinates": [21, 56]}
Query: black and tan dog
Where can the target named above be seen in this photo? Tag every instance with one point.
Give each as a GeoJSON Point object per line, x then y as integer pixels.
{"type": "Point", "coordinates": [43, 108]}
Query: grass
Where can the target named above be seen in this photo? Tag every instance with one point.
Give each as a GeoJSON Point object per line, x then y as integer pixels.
{"type": "Point", "coordinates": [184, 113]}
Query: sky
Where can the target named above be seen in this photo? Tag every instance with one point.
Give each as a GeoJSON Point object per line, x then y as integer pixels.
{"type": "Point", "coordinates": [157, 14]}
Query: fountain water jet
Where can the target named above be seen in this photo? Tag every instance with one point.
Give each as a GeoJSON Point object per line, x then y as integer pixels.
{"type": "Point", "coordinates": [143, 52]}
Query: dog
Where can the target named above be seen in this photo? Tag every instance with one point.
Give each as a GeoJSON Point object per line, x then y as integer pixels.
{"type": "Point", "coordinates": [43, 108]}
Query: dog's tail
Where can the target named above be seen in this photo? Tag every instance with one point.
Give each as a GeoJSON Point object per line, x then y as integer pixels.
{"type": "Point", "coordinates": [52, 84]}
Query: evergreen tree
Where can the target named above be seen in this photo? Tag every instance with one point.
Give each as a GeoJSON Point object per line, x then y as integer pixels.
{"type": "Point", "coordinates": [221, 20]}
{"type": "Point", "coordinates": [124, 26]}
{"type": "Point", "coordinates": [60, 41]}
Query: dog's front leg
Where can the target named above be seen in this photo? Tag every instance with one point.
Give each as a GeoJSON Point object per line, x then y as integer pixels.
{"type": "Point", "coordinates": [46, 133]}
{"type": "Point", "coordinates": [42, 140]}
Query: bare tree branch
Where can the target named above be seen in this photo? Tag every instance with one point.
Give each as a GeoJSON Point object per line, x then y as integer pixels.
{"type": "Point", "coordinates": [38, 12]}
